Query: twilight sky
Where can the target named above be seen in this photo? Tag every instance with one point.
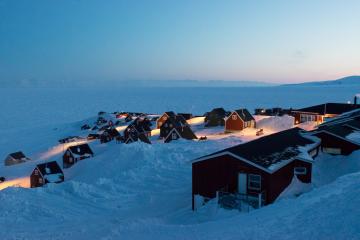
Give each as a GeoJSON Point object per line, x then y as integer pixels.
{"type": "Point", "coordinates": [274, 41]}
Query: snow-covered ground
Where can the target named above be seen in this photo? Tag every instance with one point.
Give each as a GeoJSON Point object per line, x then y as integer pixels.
{"type": "Point", "coordinates": [141, 191]}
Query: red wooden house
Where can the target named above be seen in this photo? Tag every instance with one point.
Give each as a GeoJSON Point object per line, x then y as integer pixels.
{"type": "Point", "coordinates": [238, 120]}
{"type": "Point", "coordinates": [263, 167]}
{"type": "Point", "coordinates": [76, 153]}
{"type": "Point", "coordinates": [336, 136]}
{"type": "Point", "coordinates": [44, 173]}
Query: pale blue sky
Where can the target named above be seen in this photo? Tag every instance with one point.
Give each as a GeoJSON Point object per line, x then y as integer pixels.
{"type": "Point", "coordinates": [275, 41]}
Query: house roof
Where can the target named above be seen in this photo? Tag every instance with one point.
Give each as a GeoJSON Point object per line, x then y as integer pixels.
{"type": "Point", "coordinates": [354, 114]}
{"type": "Point", "coordinates": [112, 132]}
{"type": "Point", "coordinates": [141, 124]}
{"type": "Point", "coordinates": [142, 137]}
{"type": "Point", "coordinates": [49, 168]}
{"type": "Point", "coordinates": [81, 149]}
{"type": "Point", "coordinates": [218, 111]}
{"type": "Point", "coordinates": [244, 114]}
{"type": "Point", "coordinates": [341, 128]}
{"type": "Point", "coordinates": [270, 150]}
{"type": "Point", "coordinates": [170, 114]}
{"type": "Point", "coordinates": [17, 155]}
{"type": "Point", "coordinates": [183, 132]}
{"type": "Point", "coordinates": [177, 121]}
{"type": "Point", "coordinates": [329, 108]}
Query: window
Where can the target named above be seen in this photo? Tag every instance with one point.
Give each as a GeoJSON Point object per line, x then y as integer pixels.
{"type": "Point", "coordinates": [300, 170]}
{"type": "Point", "coordinates": [40, 180]}
{"type": "Point", "coordinates": [334, 151]}
{"type": "Point", "coordinates": [174, 135]}
{"type": "Point", "coordinates": [234, 117]}
{"type": "Point", "coordinates": [70, 159]}
{"type": "Point", "coordinates": [254, 182]}
{"type": "Point", "coordinates": [36, 172]}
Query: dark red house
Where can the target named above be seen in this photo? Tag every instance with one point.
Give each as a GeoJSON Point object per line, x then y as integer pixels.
{"type": "Point", "coordinates": [260, 168]}
{"type": "Point", "coordinates": [76, 153]}
{"type": "Point", "coordinates": [322, 112]}
{"type": "Point", "coordinates": [176, 127]}
{"type": "Point", "coordinates": [44, 173]}
{"type": "Point", "coordinates": [336, 136]}
{"type": "Point", "coordinates": [184, 132]}
{"type": "Point", "coordinates": [239, 120]}
{"type": "Point", "coordinates": [216, 117]}
{"type": "Point", "coordinates": [139, 129]}
{"type": "Point", "coordinates": [108, 135]}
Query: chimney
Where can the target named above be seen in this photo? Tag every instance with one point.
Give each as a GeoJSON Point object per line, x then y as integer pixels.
{"type": "Point", "coordinates": [355, 100]}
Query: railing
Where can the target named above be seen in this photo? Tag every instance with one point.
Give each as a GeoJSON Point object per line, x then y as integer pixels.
{"type": "Point", "coordinates": [242, 202]}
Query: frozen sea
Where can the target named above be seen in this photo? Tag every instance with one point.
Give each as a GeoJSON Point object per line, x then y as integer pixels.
{"type": "Point", "coordinates": [41, 107]}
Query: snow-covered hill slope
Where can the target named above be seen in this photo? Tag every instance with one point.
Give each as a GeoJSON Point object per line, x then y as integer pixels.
{"type": "Point", "coordinates": [141, 191]}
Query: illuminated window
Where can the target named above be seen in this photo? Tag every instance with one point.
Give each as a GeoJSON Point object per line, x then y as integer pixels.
{"type": "Point", "coordinates": [234, 117]}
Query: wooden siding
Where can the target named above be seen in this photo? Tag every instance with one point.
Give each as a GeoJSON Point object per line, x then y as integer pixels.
{"type": "Point", "coordinates": [331, 141]}
{"type": "Point", "coordinates": [234, 124]}
{"type": "Point", "coordinates": [221, 173]}
{"type": "Point", "coordinates": [34, 179]}
{"type": "Point", "coordinates": [161, 120]}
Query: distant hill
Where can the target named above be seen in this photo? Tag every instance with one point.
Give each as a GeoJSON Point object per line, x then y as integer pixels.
{"type": "Point", "coordinates": [35, 83]}
{"type": "Point", "coordinates": [351, 80]}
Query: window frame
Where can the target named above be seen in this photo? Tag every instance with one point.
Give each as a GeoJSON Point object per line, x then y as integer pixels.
{"type": "Point", "coordinates": [299, 172]}
{"type": "Point", "coordinates": [250, 180]}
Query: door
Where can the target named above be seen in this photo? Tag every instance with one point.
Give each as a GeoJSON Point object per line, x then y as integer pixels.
{"type": "Point", "coordinates": [242, 183]}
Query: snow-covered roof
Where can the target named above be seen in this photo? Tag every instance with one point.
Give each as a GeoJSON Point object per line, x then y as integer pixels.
{"type": "Point", "coordinates": [273, 151]}
{"type": "Point", "coordinates": [81, 150]}
{"type": "Point", "coordinates": [54, 178]}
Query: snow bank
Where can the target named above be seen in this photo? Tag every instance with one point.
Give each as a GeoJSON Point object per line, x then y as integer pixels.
{"type": "Point", "coordinates": [295, 189]}
{"type": "Point", "coordinates": [276, 123]}
{"type": "Point", "coordinates": [327, 168]}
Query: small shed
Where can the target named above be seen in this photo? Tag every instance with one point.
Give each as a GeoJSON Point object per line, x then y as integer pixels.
{"type": "Point", "coordinates": [15, 158]}
{"type": "Point", "coordinates": [76, 153]}
{"type": "Point", "coordinates": [49, 172]}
